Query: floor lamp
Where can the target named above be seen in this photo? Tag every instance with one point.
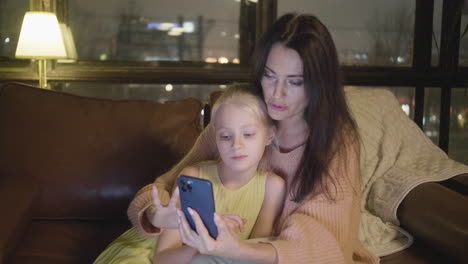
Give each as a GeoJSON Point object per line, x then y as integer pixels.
{"type": "Point", "coordinates": [40, 39]}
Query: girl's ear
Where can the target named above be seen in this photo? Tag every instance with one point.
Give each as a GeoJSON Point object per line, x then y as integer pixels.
{"type": "Point", "coordinates": [271, 134]}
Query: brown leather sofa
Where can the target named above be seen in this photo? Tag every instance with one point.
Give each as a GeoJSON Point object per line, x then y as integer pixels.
{"type": "Point", "coordinates": [70, 165]}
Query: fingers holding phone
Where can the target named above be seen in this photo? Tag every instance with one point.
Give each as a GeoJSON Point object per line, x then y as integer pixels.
{"type": "Point", "coordinates": [203, 242]}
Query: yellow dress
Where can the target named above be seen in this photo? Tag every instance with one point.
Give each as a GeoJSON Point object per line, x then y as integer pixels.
{"type": "Point", "coordinates": [246, 202]}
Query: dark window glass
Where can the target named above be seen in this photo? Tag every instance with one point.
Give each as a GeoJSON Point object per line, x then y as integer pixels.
{"type": "Point", "coordinates": [156, 30]}
{"type": "Point", "coordinates": [463, 55]}
{"type": "Point", "coordinates": [458, 137]}
{"type": "Point", "coordinates": [366, 32]}
{"type": "Point", "coordinates": [431, 118]}
{"type": "Point", "coordinates": [11, 18]}
{"type": "Point", "coordinates": [436, 31]}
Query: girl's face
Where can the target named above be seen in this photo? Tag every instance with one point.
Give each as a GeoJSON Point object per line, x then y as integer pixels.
{"type": "Point", "coordinates": [283, 84]}
{"type": "Point", "coordinates": [240, 137]}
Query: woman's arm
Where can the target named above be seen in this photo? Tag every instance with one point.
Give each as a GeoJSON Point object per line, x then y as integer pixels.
{"type": "Point", "coordinates": [142, 210]}
{"type": "Point", "coordinates": [272, 206]}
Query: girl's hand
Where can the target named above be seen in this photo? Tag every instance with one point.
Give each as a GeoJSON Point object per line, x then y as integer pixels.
{"type": "Point", "coordinates": [227, 244]}
{"type": "Point", "coordinates": [234, 222]}
{"type": "Point", "coordinates": [165, 216]}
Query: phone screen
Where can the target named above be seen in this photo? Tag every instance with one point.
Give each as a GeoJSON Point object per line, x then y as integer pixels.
{"type": "Point", "coordinates": [198, 194]}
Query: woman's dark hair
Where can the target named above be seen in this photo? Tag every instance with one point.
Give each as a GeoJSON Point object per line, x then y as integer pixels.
{"type": "Point", "coordinates": [327, 115]}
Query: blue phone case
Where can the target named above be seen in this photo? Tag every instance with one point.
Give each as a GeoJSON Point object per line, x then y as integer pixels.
{"type": "Point", "coordinates": [198, 194]}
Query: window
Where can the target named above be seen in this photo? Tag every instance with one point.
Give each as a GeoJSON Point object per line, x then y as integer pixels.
{"type": "Point", "coordinates": [436, 31]}
{"type": "Point", "coordinates": [431, 118]}
{"type": "Point", "coordinates": [154, 92]}
{"type": "Point", "coordinates": [11, 18]}
{"type": "Point", "coordinates": [202, 30]}
{"type": "Point", "coordinates": [463, 54]}
{"type": "Point", "coordinates": [366, 32]}
{"type": "Point", "coordinates": [458, 140]}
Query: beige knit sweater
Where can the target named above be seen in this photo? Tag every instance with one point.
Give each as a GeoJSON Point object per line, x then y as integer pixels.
{"type": "Point", "coordinates": [315, 231]}
{"type": "Point", "coordinates": [320, 230]}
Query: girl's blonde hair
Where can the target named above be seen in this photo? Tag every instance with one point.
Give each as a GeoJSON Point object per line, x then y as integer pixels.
{"type": "Point", "coordinates": [242, 96]}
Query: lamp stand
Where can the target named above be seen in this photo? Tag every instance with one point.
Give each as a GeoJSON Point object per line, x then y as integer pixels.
{"type": "Point", "coordinates": [42, 70]}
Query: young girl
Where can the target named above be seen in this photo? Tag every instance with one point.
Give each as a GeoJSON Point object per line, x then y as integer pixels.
{"type": "Point", "coordinates": [242, 184]}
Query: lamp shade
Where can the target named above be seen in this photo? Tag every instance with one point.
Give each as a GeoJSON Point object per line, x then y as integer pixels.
{"type": "Point", "coordinates": [69, 42]}
{"type": "Point", "coordinates": [40, 37]}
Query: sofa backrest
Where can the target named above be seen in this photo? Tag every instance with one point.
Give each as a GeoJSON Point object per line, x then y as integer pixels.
{"type": "Point", "coordinates": [90, 155]}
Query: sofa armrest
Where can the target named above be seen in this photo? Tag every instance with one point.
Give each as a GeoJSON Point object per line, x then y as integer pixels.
{"type": "Point", "coordinates": [458, 183]}
{"type": "Point", "coordinates": [17, 196]}
{"type": "Point", "coordinates": [438, 216]}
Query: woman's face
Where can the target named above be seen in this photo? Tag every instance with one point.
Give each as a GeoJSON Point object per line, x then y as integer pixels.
{"type": "Point", "coordinates": [283, 84]}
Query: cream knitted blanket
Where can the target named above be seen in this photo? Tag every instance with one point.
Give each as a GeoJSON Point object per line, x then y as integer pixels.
{"type": "Point", "coordinates": [396, 156]}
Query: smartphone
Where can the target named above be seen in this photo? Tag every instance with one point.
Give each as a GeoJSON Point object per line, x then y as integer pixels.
{"type": "Point", "coordinates": [198, 194]}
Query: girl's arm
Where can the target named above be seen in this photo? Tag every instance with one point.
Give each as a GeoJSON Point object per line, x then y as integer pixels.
{"type": "Point", "coordinates": [272, 206]}
{"type": "Point", "coordinates": [170, 249]}
{"type": "Point", "coordinates": [142, 210]}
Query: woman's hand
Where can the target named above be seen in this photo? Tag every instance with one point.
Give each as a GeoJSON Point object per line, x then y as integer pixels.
{"type": "Point", "coordinates": [227, 244]}
{"type": "Point", "coordinates": [165, 216]}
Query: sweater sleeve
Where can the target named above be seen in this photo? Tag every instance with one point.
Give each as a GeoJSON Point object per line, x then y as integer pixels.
{"type": "Point", "coordinates": [323, 230]}
{"type": "Point", "coordinates": [203, 149]}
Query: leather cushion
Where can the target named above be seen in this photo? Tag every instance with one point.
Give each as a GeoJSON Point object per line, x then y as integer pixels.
{"type": "Point", "coordinates": [16, 215]}
{"type": "Point", "coordinates": [90, 155]}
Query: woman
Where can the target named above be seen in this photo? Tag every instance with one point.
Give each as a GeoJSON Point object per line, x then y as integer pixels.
{"type": "Point", "coordinates": [316, 151]}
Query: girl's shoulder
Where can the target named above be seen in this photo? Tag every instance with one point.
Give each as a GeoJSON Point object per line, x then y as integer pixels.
{"type": "Point", "coordinates": [274, 181]}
